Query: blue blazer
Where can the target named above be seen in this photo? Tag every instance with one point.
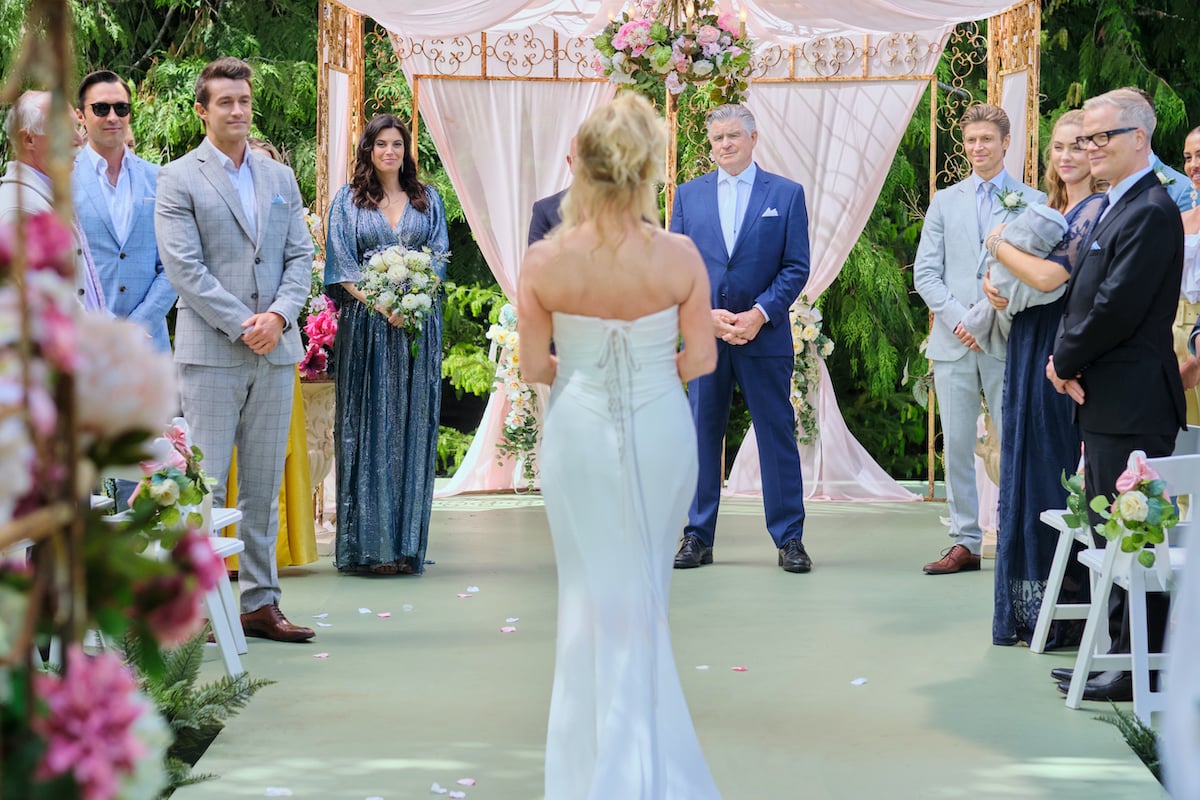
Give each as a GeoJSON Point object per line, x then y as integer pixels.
{"type": "Point", "coordinates": [770, 259]}
{"type": "Point", "coordinates": [131, 272]}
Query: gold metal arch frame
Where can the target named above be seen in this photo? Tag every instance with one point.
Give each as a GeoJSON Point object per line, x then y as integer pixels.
{"type": "Point", "coordinates": [1010, 45]}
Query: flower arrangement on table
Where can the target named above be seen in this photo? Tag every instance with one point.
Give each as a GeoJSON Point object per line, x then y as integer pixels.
{"type": "Point", "coordinates": [318, 319]}
{"type": "Point", "coordinates": [1141, 513]}
{"type": "Point", "coordinates": [522, 427]}
{"type": "Point", "coordinates": [173, 485]}
{"type": "Point", "coordinates": [678, 45]}
{"type": "Point", "coordinates": [397, 280]}
{"type": "Point", "coordinates": [810, 346]}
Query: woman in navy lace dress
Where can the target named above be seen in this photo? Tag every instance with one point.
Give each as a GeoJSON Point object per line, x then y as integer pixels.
{"type": "Point", "coordinates": [388, 387]}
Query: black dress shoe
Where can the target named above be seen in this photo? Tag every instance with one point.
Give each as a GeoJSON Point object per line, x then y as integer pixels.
{"type": "Point", "coordinates": [793, 557]}
{"type": "Point", "coordinates": [1065, 673]}
{"type": "Point", "coordinates": [1107, 687]}
{"type": "Point", "coordinates": [692, 553]}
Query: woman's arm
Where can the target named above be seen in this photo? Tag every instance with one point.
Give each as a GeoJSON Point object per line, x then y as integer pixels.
{"type": "Point", "coordinates": [534, 325]}
{"type": "Point", "coordinates": [1040, 273]}
{"type": "Point", "coordinates": [699, 354]}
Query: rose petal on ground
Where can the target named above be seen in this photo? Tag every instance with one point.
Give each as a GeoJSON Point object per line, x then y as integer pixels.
{"type": "Point", "coordinates": [858, 681]}
{"type": "Point", "coordinates": [436, 789]}
{"type": "Point", "coordinates": [458, 795]}
{"type": "Point", "coordinates": [278, 791]}
{"type": "Point", "coordinates": [384, 615]}
{"type": "Point", "coordinates": [513, 619]}
{"type": "Point", "coordinates": [702, 666]}
{"type": "Point", "coordinates": [321, 616]}
{"type": "Point", "coordinates": [321, 655]}
{"type": "Point", "coordinates": [407, 607]}
{"type": "Point", "coordinates": [324, 624]}
{"type": "Point", "coordinates": [364, 611]}
{"type": "Point", "coordinates": [472, 589]}
{"type": "Point", "coordinates": [463, 596]}
{"type": "Point", "coordinates": [466, 781]}
{"type": "Point", "coordinates": [508, 629]}
{"type": "Point", "coordinates": [739, 669]}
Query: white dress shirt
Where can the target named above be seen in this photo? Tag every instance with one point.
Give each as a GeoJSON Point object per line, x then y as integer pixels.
{"type": "Point", "coordinates": [119, 197]}
{"type": "Point", "coordinates": [243, 181]}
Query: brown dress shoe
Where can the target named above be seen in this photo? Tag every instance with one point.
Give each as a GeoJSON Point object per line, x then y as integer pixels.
{"type": "Point", "coordinates": [956, 559]}
{"type": "Point", "coordinates": [269, 622]}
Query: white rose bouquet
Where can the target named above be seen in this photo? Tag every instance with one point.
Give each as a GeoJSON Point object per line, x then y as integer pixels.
{"type": "Point", "coordinates": [1141, 512]}
{"type": "Point", "coordinates": [810, 346]}
{"type": "Point", "coordinates": [397, 280]}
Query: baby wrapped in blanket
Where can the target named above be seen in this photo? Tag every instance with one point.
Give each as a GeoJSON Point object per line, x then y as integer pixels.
{"type": "Point", "coordinates": [1037, 231]}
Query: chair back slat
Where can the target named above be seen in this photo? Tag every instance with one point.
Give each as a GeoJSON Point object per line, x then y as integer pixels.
{"type": "Point", "coordinates": [1187, 442]}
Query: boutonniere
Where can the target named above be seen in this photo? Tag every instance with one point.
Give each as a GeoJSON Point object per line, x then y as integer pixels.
{"type": "Point", "coordinates": [1010, 200]}
{"type": "Point", "coordinates": [1163, 177]}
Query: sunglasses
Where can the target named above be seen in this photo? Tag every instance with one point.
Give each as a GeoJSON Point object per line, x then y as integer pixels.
{"type": "Point", "coordinates": [102, 109]}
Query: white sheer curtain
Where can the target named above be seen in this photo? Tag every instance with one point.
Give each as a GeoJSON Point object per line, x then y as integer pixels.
{"type": "Point", "coordinates": [838, 140]}
{"type": "Point", "coordinates": [504, 144]}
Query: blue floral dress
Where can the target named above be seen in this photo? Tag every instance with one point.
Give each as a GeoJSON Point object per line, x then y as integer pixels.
{"type": "Point", "coordinates": [388, 394]}
{"type": "Point", "coordinates": [1038, 443]}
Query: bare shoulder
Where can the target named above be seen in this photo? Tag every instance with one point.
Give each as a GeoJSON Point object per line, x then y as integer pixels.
{"type": "Point", "coordinates": [677, 248]}
{"type": "Point", "coordinates": [539, 255]}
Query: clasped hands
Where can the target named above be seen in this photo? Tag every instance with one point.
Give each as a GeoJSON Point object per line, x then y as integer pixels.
{"type": "Point", "coordinates": [1069, 386]}
{"type": "Point", "coordinates": [261, 332]}
{"type": "Point", "coordinates": [737, 328]}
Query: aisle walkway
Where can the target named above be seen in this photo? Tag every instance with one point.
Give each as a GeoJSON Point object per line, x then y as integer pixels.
{"type": "Point", "coordinates": [436, 692]}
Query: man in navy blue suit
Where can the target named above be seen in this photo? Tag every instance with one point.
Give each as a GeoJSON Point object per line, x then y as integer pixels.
{"type": "Point", "coordinates": [751, 228]}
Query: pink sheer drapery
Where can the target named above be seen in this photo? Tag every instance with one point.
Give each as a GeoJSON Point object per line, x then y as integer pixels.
{"type": "Point", "coordinates": [504, 144]}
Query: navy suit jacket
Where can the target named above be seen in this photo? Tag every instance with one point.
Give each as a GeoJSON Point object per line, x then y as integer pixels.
{"type": "Point", "coordinates": [547, 215]}
{"type": "Point", "coordinates": [131, 273]}
{"type": "Point", "coordinates": [770, 260]}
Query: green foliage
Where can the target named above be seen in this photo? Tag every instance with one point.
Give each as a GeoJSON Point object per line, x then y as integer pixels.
{"type": "Point", "coordinates": [1141, 738]}
{"type": "Point", "coordinates": [195, 713]}
{"type": "Point", "coordinates": [452, 446]}
{"type": "Point", "coordinates": [467, 313]}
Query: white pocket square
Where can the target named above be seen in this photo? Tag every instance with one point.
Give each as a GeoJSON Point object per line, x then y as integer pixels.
{"type": "Point", "coordinates": [1096, 246]}
{"type": "Point", "coordinates": [770, 212]}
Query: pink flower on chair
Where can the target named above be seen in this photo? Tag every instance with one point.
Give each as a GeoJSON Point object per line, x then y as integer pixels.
{"type": "Point", "coordinates": [1137, 471]}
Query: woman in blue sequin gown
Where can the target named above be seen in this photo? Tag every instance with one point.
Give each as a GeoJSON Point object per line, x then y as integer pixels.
{"type": "Point", "coordinates": [1040, 439]}
{"type": "Point", "coordinates": [388, 388]}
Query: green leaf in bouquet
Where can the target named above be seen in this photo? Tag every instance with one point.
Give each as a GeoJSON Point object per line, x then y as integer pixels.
{"type": "Point", "coordinates": [191, 495]}
{"type": "Point", "coordinates": [1155, 536]}
{"type": "Point", "coordinates": [1074, 520]}
{"type": "Point", "coordinates": [195, 519]}
{"type": "Point", "coordinates": [1128, 545]}
{"type": "Point", "coordinates": [1146, 558]}
{"type": "Point", "coordinates": [1154, 511]}
{"type": "Point", "coordinates": [169, 517]}
{"type": "Point", "coordinates": [1100, 505]}
{"type": "Point", "coordinates": [1110, 530]}
{"type": "Point", "coordinates": [1155, 488]}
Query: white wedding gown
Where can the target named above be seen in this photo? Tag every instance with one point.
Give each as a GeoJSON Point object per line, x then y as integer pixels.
{"type": "Point", "coordinates": [618, 466]}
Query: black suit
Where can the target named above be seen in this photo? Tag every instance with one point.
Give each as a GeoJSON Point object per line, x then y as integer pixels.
{"type": "Point", "coordinates": [1116, 335]}
{"type": "Point", "coordinates": [546, 216]}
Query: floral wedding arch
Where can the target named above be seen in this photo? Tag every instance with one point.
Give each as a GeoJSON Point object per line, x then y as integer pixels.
{"type": "Point", "coordinates": [833, 88]}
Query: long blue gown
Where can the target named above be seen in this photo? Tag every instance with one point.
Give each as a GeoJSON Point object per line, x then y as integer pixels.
{"type": "Point", "coordinates": [388, 400]}
{"type": "Point", "coordinates": [1039, 441]}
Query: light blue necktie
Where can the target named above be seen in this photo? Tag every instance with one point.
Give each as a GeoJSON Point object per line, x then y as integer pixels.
{"type": "Point", "coordinates": [986, 191]}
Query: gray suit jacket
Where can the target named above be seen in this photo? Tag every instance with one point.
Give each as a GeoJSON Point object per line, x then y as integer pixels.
{"type": "Point", "coordinates": [224, 271]}
{"type": "Point", "coordinates": [951, 259]}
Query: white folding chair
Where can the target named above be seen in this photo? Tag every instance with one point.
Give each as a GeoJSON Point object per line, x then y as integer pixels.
{"type": "Point", "coordinates": [1112, 567]}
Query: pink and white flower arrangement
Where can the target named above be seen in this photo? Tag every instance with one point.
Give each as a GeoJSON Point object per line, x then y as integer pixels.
{"type": "Point", "coordinates": [173, 482]}
{"type": "Point", "coordinates": [92, 721]}
{"type": "Point", "coordinates": [522, 428]}
{"type": "Point", "coordinates": [640, 49]}
{"type": "Point", "coordinates": [320, 330]}
{"type": "Point", "coordinates": [172, 605]}
{"type": "Point", "coordinates": [1141, 513]}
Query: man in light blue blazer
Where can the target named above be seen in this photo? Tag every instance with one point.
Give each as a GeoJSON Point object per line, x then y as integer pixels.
{"type": "Point", "coordinates": [751, 228]}
{"type": "Point", "coordinates": [948, 274]}
{"type": "Point", "coordinates": [113, 191]}
{"type": "Point", "coordinates": [231, 231]}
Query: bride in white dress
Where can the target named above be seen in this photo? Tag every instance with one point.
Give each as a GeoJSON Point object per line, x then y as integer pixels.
{"type": "Point", "coordinates": [618, 462]}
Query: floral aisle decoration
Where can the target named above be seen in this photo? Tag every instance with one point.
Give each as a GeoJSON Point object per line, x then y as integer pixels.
{"type": "Point", "coordinates": [397, 280]}
{"type": "Point", "coordinates": [677, 45]}
{"type": "Point", "coordinates": [1140, 514]}
{"type": "Point", "coordinates": [173, 483]}
{"type": "Point", "coordinates": [811, 346]}
{"type": "Point", "coordinates": [318, 319]}
{"type": "Point", "coordinates": [522, 427]}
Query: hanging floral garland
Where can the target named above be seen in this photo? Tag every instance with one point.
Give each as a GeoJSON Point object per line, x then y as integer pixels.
{"type": "Point", "coordinates": [677, 44]}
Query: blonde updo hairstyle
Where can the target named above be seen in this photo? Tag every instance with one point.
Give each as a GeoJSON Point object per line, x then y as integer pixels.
{"type": "Point", "coordinates": [618, 166]}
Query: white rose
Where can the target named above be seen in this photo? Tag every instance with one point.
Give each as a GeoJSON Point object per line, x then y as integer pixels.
{"type": "Point", "coordinates": [386, 299]}
{"type": "Point", "coordinates": [702, 68]}
{"type": "Point", "coordinates": [1163, 178]}
{"type": "Point", "coordinates": [417, 259]}
{"type": "Point", "coordinates": [423, 300]}
{"type": "Point", "coordinates": [375, 262]}
{"type": "Point", "coordinates": [397, 273]}
{"type": "Point", "coordinates": [1133, 506]}
{"type": "Point", "coordinates": [420, 280]}
{"type": "Point", "coordinates": [165, 493]}
{"type": "Point", "coordinates": [1012, 200]}
{"type": "Point", "coordinates": [392, 258]}
{"type": "Point", "coordinates": [809, 333]}
{"type": "Point", "coordinates": [409, 302]}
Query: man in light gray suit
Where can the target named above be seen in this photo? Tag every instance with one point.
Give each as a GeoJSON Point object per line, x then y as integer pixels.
{"type": "Point", "coordinates": [948, 274]}
{"type": "Point", "coordinates": [232, 236]}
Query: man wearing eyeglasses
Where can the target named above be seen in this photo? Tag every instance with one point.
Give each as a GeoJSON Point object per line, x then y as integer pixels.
{"type": "Point", "coordinates": [114, 193]}
{"type": "Point", "coordinates": [1114, 353]}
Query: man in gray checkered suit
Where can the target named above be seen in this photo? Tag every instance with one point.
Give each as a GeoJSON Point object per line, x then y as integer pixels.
{"type": "Point", "coordinates": [234, 244]}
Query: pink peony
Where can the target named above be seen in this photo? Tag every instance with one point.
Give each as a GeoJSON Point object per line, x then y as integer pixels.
{"type": "Point", "coordinates": [177, 434]}
{"type": "Point", "coordinates": [171, 608]}
{"type": "Point", "coordinates": [1137, 471]}
{"type": "Point", "coordinates": [58, 338]}
{"type": "Point", "coordinates": [88, 723]}
{"type": "Point", "coordinates": [708, 35]}
{"type": "Point", "coordinates": [194, 553]}
{"type": "Point", "coordinates": [321, 328]}
{"type": "Point", "coordinates": [315, 362]}
{"type": "Point", "coordinates": [122, 384]}
{"type": "Point", "coordinates": [728, 22]}
{"type": "Point", "coordinates": [49, 244]}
